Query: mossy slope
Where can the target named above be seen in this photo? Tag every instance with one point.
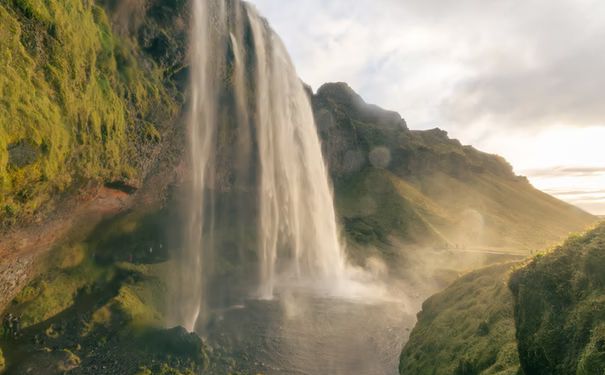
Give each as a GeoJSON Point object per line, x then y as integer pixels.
{"type": "Point", "coordinates": [78, 102]}
{"type": "Point", "coordinates": [560, 308]}
{"type": "Point", "coordinates": [467, 329]}
{"type": "Point", "coordinates": [553, 322]}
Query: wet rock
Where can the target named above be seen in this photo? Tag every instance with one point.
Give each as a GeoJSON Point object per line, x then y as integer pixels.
{"type": "Point", "coordinates": [177, 341]}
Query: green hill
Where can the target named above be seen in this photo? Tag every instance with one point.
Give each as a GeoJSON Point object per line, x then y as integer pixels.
{"type": "Point", "coordinates": [422, 187]}
{"type": "Point", "coordinates": [553, 322]}
{"type": "Point", "coordinates": [560, 308]}
{"type": "Point", "coordinates": [467, 329]}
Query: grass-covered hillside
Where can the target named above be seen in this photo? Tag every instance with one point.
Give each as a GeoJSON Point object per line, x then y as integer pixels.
{"type": "Point", "coordinates": [80, 103]}
{"type": "Point", "coordinates": [423, 187]}
{"type": "Point", "coordinates": [560, 308]}
{"type": "Point", "coordinates": [544, 316]}
{"type": "Point", "coordinates": [467, 329]}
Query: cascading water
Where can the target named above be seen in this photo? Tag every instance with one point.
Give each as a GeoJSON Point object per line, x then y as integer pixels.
{"type": "Point", "coordinates": [296, 209]}
{"type": "Point", "coordinates": [272, 150]}
{"type": "Point", "coordinates": [202, 128]}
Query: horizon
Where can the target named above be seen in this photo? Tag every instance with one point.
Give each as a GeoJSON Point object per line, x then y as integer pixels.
{"type": "Point", "coordinates": [522, 99]}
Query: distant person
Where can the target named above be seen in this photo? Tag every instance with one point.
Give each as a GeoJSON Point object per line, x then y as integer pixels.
{"type": "Point", "coordinates": [130, 258]}
{"type": "Point", "coordinates": [16, 326]}
{"type": "Point", "coordinates": [7, 324]}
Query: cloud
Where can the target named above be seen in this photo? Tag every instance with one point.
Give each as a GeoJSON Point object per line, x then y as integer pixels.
{"type": "Point", "coordinates": [566, 172]}
{"type": "Point", "coordinates": [565, 89]}
{"type": "Point", "coordinates": [596, 198]}
{"type": "Point", "coordinates": [579, 193]}
{"type": "Point", "coordinates": [506, 63]}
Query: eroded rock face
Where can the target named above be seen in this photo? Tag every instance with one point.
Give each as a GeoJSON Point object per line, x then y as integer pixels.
{"type": "Point", "coordinates": [13, 274]}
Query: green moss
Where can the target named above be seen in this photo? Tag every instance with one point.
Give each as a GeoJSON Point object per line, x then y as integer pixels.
{"type": "Point", "coordinates": [61, 276]}
{"type": "Point", "coordinates": [58, 294]}
{"type": "Point", "coordinates": [2, 363]}
{"type": "Point", "coordinates": [467, 329]}
{"type": "Point", "coordinates": [101, 317]}
{"type": "Point", "coordinates": [592, 359]}
{"type": "Point", "coordinates": [69, 362]}
{"type": "Point", "coordinates": [27, 294]}
{"type": "Point", "coordinates": [69, 88]}
{"type": "Point", "coordinates": [559, 307]}
{"type": "Point", "coordinates": [144, 371]}
{"type": "Point", "coordinates": [150, 133]}
{"type": "Point", "coordinates": [132, 307]}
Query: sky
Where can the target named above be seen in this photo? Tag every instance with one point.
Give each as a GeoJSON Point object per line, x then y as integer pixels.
{"type": "Point", "coordinates": [522, 79]}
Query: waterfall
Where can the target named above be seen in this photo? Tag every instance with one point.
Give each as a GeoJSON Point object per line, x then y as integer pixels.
{"type": "Point", "coordinates": [297, 212]}
{"type": "Point", "coordinates": [251, 120]}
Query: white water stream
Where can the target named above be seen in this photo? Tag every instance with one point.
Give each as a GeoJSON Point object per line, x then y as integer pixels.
{"type": "Point", "coordinates": [298, 241]}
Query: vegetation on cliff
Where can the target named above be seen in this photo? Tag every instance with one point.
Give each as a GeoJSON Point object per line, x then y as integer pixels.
{"type": "Point", "coordinates": [553, 322]}
{"type": "Point", "coordinates": [466, 329]}
{"type": "Point", "coordinates": [560, 308]}
{"type": "Point", "coordinates": [1, 361]}
{"type": "Point", "coordinates": [79, 102]}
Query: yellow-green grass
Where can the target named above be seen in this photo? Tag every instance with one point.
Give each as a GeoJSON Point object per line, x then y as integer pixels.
{"type": "Point", "coordinates": [560, 307]}
{"type": "Point", "coordinates": [467, 329]}
{"type": "Point", "coordinates": [483, 212]}
{"type": "Point", "coordinates": [61, 275]}
{"type": "Point", "coordinates": [71, 93]}
{"type": "Point", "coordinates": [72, 269]}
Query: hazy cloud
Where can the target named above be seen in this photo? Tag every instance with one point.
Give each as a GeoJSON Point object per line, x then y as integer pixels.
{"type": "Point", "coordinates": [595, 198]}
{"type": "Point", "coordinates": [575, 192]}
{"type": "Point", "coordinates": [566, 171]}
{"type": "Point", "coordinates": [511, 63]}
